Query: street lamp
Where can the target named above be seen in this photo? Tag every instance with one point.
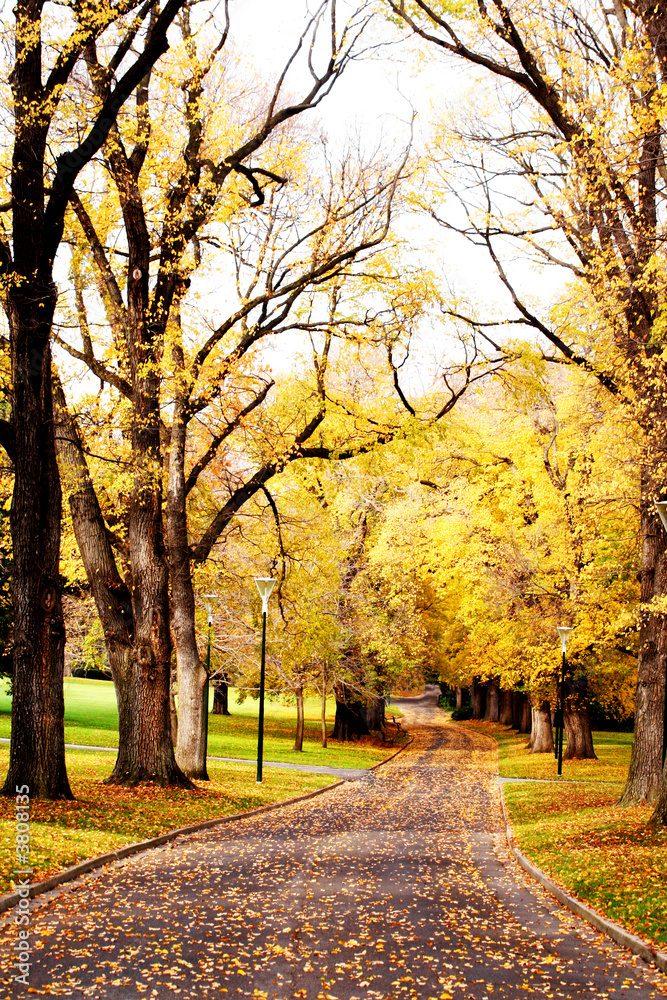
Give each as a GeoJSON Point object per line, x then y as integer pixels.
{"type": "Point", "coordinates": [265, 585]}
{"type": "Point", "coordinates": [209, 612]}
{"type": "Point", "coordinates": [662, 513]}
{"type": "Point", "coordinates": [564, 634]}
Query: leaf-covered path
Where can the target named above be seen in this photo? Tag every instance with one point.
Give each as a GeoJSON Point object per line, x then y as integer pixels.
{"type": "Point", "coordinates": [397, 885]}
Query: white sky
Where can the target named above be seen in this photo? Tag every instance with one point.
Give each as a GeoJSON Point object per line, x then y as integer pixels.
{"type": "Point", "coordinates": [375, 98]}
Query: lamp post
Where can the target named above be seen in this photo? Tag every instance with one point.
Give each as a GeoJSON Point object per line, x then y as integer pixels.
{"type": "Point", "coordinates": [209, 612]}
{"type": "Point", "coordinates": [264, 585]}
{"type": "Point", "coordinates": [662, 511]}
{"type": "Point", "coordinates": [564, 634]}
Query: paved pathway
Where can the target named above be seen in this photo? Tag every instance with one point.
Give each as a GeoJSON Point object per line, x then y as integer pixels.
{"type": "Point", "coordinates": [394, 886]}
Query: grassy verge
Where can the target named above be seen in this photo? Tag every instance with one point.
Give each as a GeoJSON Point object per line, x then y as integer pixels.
{"type": "Point", "coordinates": [104, 817]}
{"type": "Point", "coordinates": [598, 852]}
{"type": "Point", "coordinates": [91, 718]}
{"type": "Point", "coordinates": [594, 849]}
{"type": "Point", "coordinates": [516, 761]}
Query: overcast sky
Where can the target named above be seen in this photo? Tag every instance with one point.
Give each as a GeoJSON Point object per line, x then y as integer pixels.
{"type": "Point", "coordinates": [375, 98]}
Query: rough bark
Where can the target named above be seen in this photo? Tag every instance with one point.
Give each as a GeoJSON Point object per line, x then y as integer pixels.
{"type": "Point", "coordinates": [323, 719]}
{"type": "Point", "coordinates": [659, 816]}
{"type": "Point", "coordinates": [190, 749]}
{"type": "Point", "coordinates": [173, 713]}
{"type": "Point", "coordinates": [221, 698]}
{"type": "Point", "coordinates": [506, 708]}
{"type": "Point", "coordinates": [526, 718]}
{"type": "Point", "coordinates": [109, 590]}
{"type": "Point", "coordinates": [578, 732]}
{"type": "Point", "coordinates": [646, 758]}
{"type": "Point", "coordinates": [478, 699]}
{"type": "Point", "coordinates": [372, 711]}
{"type": "Point", "coordinates": [459, 697]}
{"type": "Point", "coordinates": [349, 723]}
{"type": "Point", "coordinates": [145, 750]}
{"type": "Point", "coordinates": [298, 736]}
{"type": "Point", "coordinates": [37, 747]}
{"type": "Point", "coordinates": [148, 754]}
{"type": "Point", "coordinates": [491, 712]}
{"type": "Point", "coordinates": [542, 740]}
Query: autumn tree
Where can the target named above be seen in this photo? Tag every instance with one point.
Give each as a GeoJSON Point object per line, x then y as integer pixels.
{"type": "Point", "coordinates": [49, 149]}
{"type": "Point", "coordinates": [290, 246]}
{"type": "Point", "coordinates": [496, 527]}
{"type": "Point", "coordinates": [577, 126]}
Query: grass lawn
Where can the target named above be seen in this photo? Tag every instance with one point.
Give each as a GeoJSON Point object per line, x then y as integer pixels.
{"type": "Point", "coordinates": [104, 817]}
{"type": "Point", "coordinates": [597, 851]}
{"type": "Point", "coordinates": [91, 718]}
{"type": "Point", "coordinates": [516, 761]}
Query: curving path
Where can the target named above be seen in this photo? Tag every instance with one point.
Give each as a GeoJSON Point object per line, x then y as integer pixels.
{"type": "Point", "coordinates": [396, 885]}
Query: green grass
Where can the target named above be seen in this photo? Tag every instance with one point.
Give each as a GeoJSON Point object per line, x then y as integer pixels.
{"type": "Point", "coordinates": [91, 718]}
{"type": "Point", "coordinates": [516, 761]}
{"type": "Point", "coordinates": [603, 854]}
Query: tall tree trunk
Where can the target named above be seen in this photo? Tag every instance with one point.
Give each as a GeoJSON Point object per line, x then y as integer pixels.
{"type": "Point", "coordinates": [372, 712]}
{"type": "Point", "coordinates": [324, 705]}
{"type": "Point", "coordinates": [521, 712]}
{"type": "Point", "coordinates": [542, 734]}
{"type": "Point", "coordinates": [173, 714]}
{"type": "Point", "coordinates": [190, 750]}
{"type": "Point", "coordinates": [349, 723]}
{"type": "Point", "coordinates": [646, 758]}
{"type": "Point", "coordinates": [659, 817]}
{"type": "Point", "coordinates": [459, 698]}
{"type": "Point", "coordinates": [37, 752]}
{"type": "Point", "coordinates": [526, 719]}
{"type": "Point", "coordinates": [142, 692]}
{"type": "Point", "coordinates": [37, 747]}
{"type": "Point", "coordinates": [110, 592]}
{"type": "Point", "coordinates": [478, 698]}
{"type": "Point", "coordinates": [578, 731]}
{"type": "Point", "coordinates": [505, 715]}
{"type": "Point", "coordinates": [298, 737]}
{"type": "Point", "coordinates": [492, 707]}
{"type": "Point", "coordinates": [221, 698]}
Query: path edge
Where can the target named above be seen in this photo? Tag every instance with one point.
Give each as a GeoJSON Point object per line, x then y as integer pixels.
{"type": "Point", "coordinates": [617, 933]}
{"type": "Point", "coordinates": [11, 899]}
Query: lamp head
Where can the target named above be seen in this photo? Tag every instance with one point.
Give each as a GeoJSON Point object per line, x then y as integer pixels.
{"type": "Point", "coordinates": [209, 609]}
{"type": "Point", "coordinates": [564, 634]}
{"type": "Point", "coordinates": [662, 511]}
{"type": "Point", "coordinates": [265, 585]}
